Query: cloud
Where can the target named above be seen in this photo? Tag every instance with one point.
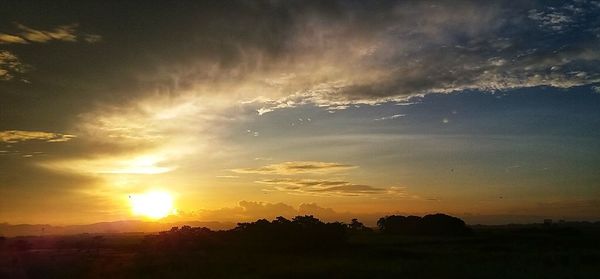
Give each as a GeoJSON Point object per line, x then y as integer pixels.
{"type": "Point", "coordinates": [327, 187]}
{"type": "Point", "coordinates": [252, 210]}
{"type": "Point", "coordinates": [11, 39]}
{"type": "Point", "coordinates": [334, 53]}
{"type": "Point", "coordinates": [374, 53]}
{"type": "Point", "coordinates": [248, 211]}
{"type": "Point", "coordinates": [559, 18]}
{"type": "Point", "coordinates": [64, 33]}
{"type": "Point", "coordinates": [172, 93]}
{"type": "Point", "coordinates": [227, 176]}
{"type": "Point", "coordinates": [92, 38]}
{"type": "Point", "coordinates": [39, 195]}
{"type": "Point", "coordinates": [146, 164]}
{"type": "Point", "coordinates": [390, 117]}
{"type": "Point", "coordinates": [13, 136]}
{"type": "Point", "coordinates": [149, 136]}
{"type": "Point", "coordinates": [10, 65]}
{"type": "Point", "coordinates": [297, 167]}
{"type": "Point", "coordinates": [60, 33]}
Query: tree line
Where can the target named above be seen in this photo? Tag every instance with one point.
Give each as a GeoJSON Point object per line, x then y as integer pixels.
{"type": "Point", "coordinates": [301, 232]}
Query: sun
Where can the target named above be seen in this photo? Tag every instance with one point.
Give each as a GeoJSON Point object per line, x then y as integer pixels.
{"type": "Point", "coordinates": [153, 204]}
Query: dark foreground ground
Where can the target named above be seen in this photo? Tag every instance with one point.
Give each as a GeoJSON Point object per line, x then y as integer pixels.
{"type": "Point", "coordinates": [489, 252]}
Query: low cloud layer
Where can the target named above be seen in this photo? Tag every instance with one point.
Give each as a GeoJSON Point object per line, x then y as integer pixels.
{"type": "Point", "coordinates": [252, 210]}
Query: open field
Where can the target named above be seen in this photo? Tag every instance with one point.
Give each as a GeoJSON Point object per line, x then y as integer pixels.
{"type": "Point", "coordinates": [489, 252]}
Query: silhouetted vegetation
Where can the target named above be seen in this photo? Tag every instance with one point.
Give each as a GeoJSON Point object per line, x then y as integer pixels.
{"type": "Point", "coordinates": [433, 246]}
{"type": "Point", "coordinates": [435, 224]}
{"type": "Point", "coordinates": [302, 232]}
{"type": "Point", "coordinates": [357, 227]}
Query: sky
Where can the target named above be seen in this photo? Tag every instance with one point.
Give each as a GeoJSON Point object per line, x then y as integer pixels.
{"type": "Point", "coordinates": [239, 110]}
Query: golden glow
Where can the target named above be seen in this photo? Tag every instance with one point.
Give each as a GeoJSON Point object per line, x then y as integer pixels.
{"type": "Point", "coordinates": [143, 165]}
{"type": "Point", "coordinates": [139, 164]}
{"type": "Point", "coordinates": [153, 205]}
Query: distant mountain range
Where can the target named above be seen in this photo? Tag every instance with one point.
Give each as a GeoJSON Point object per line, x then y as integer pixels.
{"type": "Point", "coordinates": [10, 230]}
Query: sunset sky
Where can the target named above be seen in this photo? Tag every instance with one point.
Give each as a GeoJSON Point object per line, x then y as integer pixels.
{"type": "Point", "coordinates": [239, 110]}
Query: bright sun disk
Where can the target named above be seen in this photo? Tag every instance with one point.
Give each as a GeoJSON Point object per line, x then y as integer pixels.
{"type": "Point", "coordinates": [154, 204]}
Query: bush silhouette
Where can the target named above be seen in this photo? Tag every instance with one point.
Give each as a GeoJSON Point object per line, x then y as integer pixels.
{"type": "Point", "coordinates": [358, 227]}
{"type": "Point", "coordinates": [443, 224]}
{"type": "Point", "coordinates": [434, 224]}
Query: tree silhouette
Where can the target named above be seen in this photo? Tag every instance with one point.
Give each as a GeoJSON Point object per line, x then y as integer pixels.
{"type": "Point", "coordinates": [356, 226]}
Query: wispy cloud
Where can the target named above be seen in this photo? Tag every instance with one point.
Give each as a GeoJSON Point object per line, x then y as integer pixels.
{"type": "Point", "coordinates": [390, 117]}
{"type": "Point", "coordinates": [297, 167]}
{"type": "Point", "coordinates": [13, 136]}
{"type": "Point", "coordinates": [328, 187]}
{"type": "Point", "coordinates": [227, 176]}
{"type": "Point", "coordinates": [114, 165]}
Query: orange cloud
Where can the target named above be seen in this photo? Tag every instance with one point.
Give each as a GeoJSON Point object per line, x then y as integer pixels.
{"type": "Point", "coordinates": [297, 167]}
{"type": "Point", "coordinates": [328, 187]}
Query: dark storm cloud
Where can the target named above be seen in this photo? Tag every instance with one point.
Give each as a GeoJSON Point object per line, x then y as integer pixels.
{"type": "Point", "coordinates": [422, 47]}
{"type": "Point", "coordinates": [285, 53]}
{"type": "Point", "coordinates": [280, 53]}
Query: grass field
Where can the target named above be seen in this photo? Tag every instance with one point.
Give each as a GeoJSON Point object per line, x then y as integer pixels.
{"type": "Point", "coordinates": [490, 252]}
